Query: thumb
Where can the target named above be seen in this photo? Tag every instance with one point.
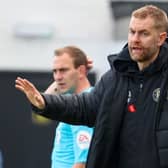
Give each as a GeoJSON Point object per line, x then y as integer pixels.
{"type": "Point", "coordinates": [40, 101]}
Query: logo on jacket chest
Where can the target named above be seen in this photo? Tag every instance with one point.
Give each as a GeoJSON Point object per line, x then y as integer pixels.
{"type": "Point", "coordinates": [156, 95]}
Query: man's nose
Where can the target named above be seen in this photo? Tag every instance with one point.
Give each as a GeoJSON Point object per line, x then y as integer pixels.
{"type": "Point", "coordinates": [58, 76]}
{"type": "Point", "coordinates": [136, 37]}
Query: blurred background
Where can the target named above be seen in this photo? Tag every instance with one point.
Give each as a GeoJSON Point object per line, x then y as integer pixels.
{"type": "Point", "coordinates": [30, 31]}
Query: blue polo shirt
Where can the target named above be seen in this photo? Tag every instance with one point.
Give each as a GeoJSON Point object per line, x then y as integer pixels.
{"type": "Point", "coordinates": [71, 144]}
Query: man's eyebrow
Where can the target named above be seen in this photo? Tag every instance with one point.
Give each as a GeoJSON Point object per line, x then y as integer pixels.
{"type": "Point", "coordinates": [143, 30]}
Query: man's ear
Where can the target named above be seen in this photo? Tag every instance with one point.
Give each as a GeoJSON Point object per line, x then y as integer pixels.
{"type": "Point", "coordinates": [162, 38]}
{"type": "Point", "coordinates": [82, 71]}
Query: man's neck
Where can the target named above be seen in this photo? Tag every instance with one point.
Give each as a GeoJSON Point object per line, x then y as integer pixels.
{"type": "Point", "coordinates": [83, 85]}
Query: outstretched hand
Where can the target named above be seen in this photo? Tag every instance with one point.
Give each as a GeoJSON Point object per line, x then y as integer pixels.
{"type": "Point", "coordinates": [30, 91]}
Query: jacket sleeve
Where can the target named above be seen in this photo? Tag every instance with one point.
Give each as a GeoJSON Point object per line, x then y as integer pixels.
{"type": "Point", "coordinates": [77, 109]}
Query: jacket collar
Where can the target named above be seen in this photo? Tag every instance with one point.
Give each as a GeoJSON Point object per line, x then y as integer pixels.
{"type": "Point", "coordinates": [123, 63]}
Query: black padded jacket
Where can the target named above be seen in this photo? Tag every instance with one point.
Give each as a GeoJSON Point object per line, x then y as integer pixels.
{"type": "Point", "coordinates": [104, 108]}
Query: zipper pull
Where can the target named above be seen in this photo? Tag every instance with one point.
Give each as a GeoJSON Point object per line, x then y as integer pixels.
{"type": "Point", "coordinates": [141, 86]}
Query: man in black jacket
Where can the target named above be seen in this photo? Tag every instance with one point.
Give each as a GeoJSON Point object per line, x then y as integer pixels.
{"type": "Point", "coordinates": [129, 105]}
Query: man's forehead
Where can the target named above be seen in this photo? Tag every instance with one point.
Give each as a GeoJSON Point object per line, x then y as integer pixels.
{"type": "Point", "coordinates": [139, 23]}
{"type": "Point", "coordinates": [59, 64]}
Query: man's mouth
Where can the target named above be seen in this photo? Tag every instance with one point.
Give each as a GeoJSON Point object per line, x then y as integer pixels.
{"type": "Point", "coordinates": [61, 85]}
{"type": "Point", "coordinates": [136, 49]}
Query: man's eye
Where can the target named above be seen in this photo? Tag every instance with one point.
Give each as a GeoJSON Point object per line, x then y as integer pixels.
{"type": "Point", "coordinates": [145, 34]}
{"type": "Point", "coordinates": [63, 70]}
{"type": "Point", "coordinates": [131, 32]}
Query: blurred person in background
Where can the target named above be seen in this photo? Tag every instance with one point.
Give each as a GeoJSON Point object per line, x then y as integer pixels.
{"type": "Point", "coordinates": [71, 143]}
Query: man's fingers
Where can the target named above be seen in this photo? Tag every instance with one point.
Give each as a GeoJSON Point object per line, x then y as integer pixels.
{"type": "Point", "coordinates": [23, 84]}
{"type": "Point", "coordinates": [19, 84]}
{"type": "Point", "coordinates": [28, 84]}
{"type": "Point", "coordinates": [30, 91]}
{"type": "Point", "coordinates": [19, 87]}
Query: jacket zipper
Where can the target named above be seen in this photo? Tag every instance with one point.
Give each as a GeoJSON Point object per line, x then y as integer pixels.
{"type": "Point", "coordinates": [141, 86]}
